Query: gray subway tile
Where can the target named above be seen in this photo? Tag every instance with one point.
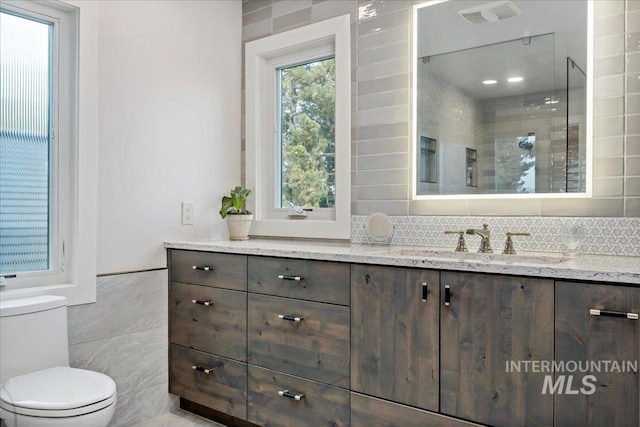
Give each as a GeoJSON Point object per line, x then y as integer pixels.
{"type": "Point", "coordinates": [383, 146]}
{"type": "Point", "coordinates": [385, 84]}
{"type": "Point", "coordinates": [632, 147]}
{"type": "Point", "coordinates": [383, 54]}
{"type": "Point", "coordinates": [384, 99]}
{"type": "Point", "coordinates": [633, 62]}
{"type": "Point", "coordinates": [292, 20]}
{"type": "Point", "coordinates": [382, 192]}
{"type": "Point", "coordinates": [332, 8]}
{"type": "Point", "coordinates": [256, 31]}
{"type": "Point", "coordinates": [284, 7]}
{"type": "Point", "coordinates": [385, 37]}
{"type": "Point", "coordinates": [633, 124]}
{"type": "Point", "coordinates": [401, 17]}
{"type": "Point", "coordinates": [390, 68]}
{"type": "Point", "coordinates": [633, 21]}
{"type": "Point", "coordinates": [383, 161]}
{"type": "Point", "coordinates": [257, 16]}
{"type": "Point", "coordinates": [379, 177]}
{"type": "Point", "coordinates": [633, 42]}
{"type": "Point", "coordinates": [607, 107]}
{"type": "Point", "coordinates": [610, 66]}
{"type": "Point", "coordinates": [632, 186]}
{"type": "Point", "coordinates": [633, 83]}
{"type": "Point", "coordinates": [383, 115]}
{"type": "Point", "coordinates": [632, 166]}
{"type": "Point", "coordinates": [610, 25]}
{"type": "Point", "coordinates": [382, 131]}
{"type": "Point", "coordinates": [632, 205]}
{"type": "Point", "coordinates": [253, 5]}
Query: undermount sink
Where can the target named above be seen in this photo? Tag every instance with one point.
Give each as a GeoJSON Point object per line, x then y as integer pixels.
{"type": "Point", "coordinates": [475, 257]}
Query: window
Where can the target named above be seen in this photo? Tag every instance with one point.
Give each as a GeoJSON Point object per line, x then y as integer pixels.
{"type": "Point", "coordinates": [306, 134]}
{"type": "Point", "coordinates": [297, 131]}
{"type": "Point", "coordinates": [26, 144]}
{"type": "Point", "coordinates": [41, 204]}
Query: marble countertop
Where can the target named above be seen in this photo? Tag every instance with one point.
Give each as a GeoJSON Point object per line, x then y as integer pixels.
{"type": "Point", "coordinates": [581, 267]}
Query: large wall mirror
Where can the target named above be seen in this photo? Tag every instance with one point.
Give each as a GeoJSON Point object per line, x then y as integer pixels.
{"type": "Point", "coordinates": [502, 98]}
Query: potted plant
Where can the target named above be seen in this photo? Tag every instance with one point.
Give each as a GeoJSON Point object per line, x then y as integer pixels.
{"type": "Point", "coordinates": [238, 218]}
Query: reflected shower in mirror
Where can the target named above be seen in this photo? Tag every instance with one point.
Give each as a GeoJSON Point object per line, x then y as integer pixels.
{"type": "Point", "coordinates": [501, 86]}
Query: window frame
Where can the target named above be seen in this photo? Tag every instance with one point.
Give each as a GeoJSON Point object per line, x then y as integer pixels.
{"type": "Point", "coordinates": [73, 200]}
{"type": "Point", "coordinates": [263, 58]}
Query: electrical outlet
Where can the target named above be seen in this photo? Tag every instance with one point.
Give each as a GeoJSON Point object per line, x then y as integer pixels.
{"type": "Point", "coordinates": [187, 213]}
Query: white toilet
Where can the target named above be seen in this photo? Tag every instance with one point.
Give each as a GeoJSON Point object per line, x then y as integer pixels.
{"type": "Point", "coordinates": [38, 388]}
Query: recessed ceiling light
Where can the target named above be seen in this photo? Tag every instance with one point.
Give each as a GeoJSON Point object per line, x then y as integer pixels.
{"type": "Point", "coordinates": [489, 82]}
{"type": "Point", "coordinates": [515, 79]}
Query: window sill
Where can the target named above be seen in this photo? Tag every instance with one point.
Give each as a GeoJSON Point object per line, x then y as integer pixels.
{"type": "Point", "coordinates": [307, 228]}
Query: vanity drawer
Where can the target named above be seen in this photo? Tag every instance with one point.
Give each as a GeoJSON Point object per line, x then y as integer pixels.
{"type": "Point", "coordinates": [309, 280]}
{"type": "Point", "coordinates": [315, 347]}
{"type": "Point", "coordinates": [219, 327]}
{"type": "Point", "coordinates": [223, 388]}
{"type": "Point", "coordinates": [320, 405]}
{"type": "Point", "coordinates": [211, 269]}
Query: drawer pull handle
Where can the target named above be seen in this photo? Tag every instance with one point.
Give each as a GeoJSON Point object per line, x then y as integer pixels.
{"type": "Point", "coordinates": [206, 370]}
{"type": "Point", "coordinates": [202, 302]}
{"type": "Point", "coordinates": [202, 268]}
{"type": "Point", "coordinates": [295, 278]}
{"type": "Point", "coordinates": [596, 312]}
{"type": "Point", "coordinates": [290, 318]}
{"type": "Point", "coordinates": [287, 393]}
{"type": "Point", "coordinates": [425, 291]}
{"type": "Point", "coordinates": [447, 295]}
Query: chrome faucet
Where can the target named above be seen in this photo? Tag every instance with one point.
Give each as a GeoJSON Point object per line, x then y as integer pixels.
{"type": "Point", "coordinates": [485, 234]}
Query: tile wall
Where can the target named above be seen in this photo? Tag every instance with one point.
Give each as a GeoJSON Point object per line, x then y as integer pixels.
{"type": "Point", "coordinates": [124, 335]}
{"type": "Point", "coordinates": [381, 110]}
{"type": "Point", "coordinates": [603, 236]}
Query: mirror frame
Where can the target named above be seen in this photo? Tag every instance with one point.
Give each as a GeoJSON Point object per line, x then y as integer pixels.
{"type": "Point", "coordinates": [503, 198]}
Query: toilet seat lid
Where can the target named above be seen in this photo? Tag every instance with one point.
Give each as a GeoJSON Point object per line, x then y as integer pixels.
{"type": "Point", "coordinates": [57, 388]}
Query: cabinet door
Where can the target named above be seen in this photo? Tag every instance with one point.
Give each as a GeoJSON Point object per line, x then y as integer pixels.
{"type": "Point", "coordinates": [394, 334]}
{"type": "Point", "coordinates": [490, 321]}
{"type": "Point", "coordinates": [584, 337]}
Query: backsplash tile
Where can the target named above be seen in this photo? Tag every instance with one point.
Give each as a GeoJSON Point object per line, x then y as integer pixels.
{"type": "Point", "coordinates": [603, 236]}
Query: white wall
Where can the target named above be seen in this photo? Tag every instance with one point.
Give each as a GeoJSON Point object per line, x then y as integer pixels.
{"type": "Point", "coordinates": [169, 131]}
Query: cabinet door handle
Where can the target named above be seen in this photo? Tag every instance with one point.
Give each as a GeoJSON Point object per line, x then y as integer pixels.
{"type": "Point", "coordinates": [596, 312]}
{"type": "Point", "coordinates": [295, 278]}
{"type": "Point", "coordinates": [201, 302]}
{"type": "Point", "coordinates": [287, 393]}
{"type": "Point", "coordinates": [425, 291]}
{"type": "Point", "coordinates": [290, 318]}
{"type": "Point", "coordinates": [202, 267]}
{"type": "Point", "coordinates": [206, 370]}
{"type": "Point", "coordinates": [447, 295]}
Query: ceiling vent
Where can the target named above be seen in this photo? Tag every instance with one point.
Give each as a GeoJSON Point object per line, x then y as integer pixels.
{"type": "Point", "coordinates": [490, 12]}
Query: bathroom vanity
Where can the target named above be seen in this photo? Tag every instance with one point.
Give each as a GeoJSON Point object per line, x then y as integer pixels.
{"type": "Point", "coordinates": [279, 333]}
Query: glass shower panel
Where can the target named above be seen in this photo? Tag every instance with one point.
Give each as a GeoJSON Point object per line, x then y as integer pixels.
{"type": "Point", "coordinates": [576, 128]}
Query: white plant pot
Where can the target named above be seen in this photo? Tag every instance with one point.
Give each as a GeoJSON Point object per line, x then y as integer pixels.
{"type": "Point", "coordinates": [239, 226]}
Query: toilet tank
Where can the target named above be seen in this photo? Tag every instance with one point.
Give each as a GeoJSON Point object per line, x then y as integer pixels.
{"type": "Point", "coordinates": [33, 335]}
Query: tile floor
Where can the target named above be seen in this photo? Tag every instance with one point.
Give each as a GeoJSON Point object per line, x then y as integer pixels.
{"type": "Point", "coordinates": [178, 418]}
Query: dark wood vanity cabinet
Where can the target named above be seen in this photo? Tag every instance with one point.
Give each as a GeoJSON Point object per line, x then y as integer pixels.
{"type": "Point", "coordinates": [486, 322]}
{"type": "Point", "coordinates": [287, 342]}
{"type": "Point", "coordinates": [298, 342]}
{"type": "Point", "coordinates": [208, 329]}
{"type": "Point", "coordinates": [596, 323]}
{"type": "Point", "coordinates": [394, 334]}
